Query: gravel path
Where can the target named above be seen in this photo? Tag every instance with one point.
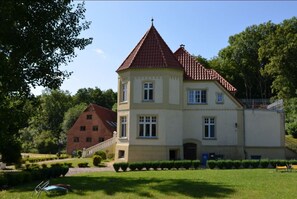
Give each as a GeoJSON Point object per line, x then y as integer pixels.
{"type": "Point", "coordinates": [73, 171]}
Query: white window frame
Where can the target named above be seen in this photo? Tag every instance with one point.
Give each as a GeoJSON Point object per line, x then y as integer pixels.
{"type": "Point", "coordinates": [197, 96]}
{"type": "Point", "coordinates": [123, 130]}
{"type": "Point", "coordinates": [147, 126]}
{"type": "Point", "coordinates": [148, 91]}
{"type": "Point", "coordinates": [219, 98]}
{"type": "Point", "coordinates": [124, 93]}
{"type": "Point", "coordinates": [209, 128]}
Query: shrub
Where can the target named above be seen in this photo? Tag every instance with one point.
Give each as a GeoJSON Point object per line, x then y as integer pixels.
{"type": "Point", "coordinates": [124, 166]}
{"type": "Point", "coordinates": [79, 153]}
{"type": "Point", "coordinates": [220, 164]}
{"type": "Point", "coordinates": [166, 164]}
{"type": "Point", "coordinates": [212, 164]}
{"type": "Point", "coordinates": [68, 164]}
{"type": "Point", "coordinates": [196, 164]}
{"type": "Point", "coordinates": [264, 163]}
{"type": "Point", "coordinates": [246, 163]}
{"type": "Point", "coordinates": [178, 164]}
{"type": "Point", "coordinates": [254, 163]}
{"type": "Point", "coordinates": [133, 166]}
{"type": "Point", "coordinates": [44, 166]}
{"type": "Point", "coordinates": [228, 164]}
{"type": "Point", "coordinates": [140, 166]}
{"type": "Point", "coordinates": [293, 162]}
{"type": "Point", "coordinates": [96, 160]}
{"type": "Point", "coordinates": [147, 165]}
{"type": "Point", "coordinates": [116, 167]}
{"type": "Point", "coordinates": [186, 164]}
{"type": "Point", "coordinates": [110, 156]}
{"type": "Point", "coordinates": [102, 154]}
{"type": "Point", "coordinates": [155, 165]}
{"type": "Point", "coordinates": [236, 164]}
{"type": "Point", "coordinates": [82, 164]}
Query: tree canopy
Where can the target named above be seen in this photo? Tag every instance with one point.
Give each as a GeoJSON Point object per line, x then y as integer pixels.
{"type": "Point", "coordinates": [36, 38]}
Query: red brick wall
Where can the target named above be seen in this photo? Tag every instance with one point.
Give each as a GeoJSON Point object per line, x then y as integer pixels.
{"type": "Point", "coordinates": [82, 135]}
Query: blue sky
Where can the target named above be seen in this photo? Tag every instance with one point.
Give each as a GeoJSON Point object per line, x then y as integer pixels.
{"type": "Point", "coordinates": [203, 26]}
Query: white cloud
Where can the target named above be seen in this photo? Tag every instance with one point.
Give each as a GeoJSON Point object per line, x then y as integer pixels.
{"type": "Point", "coordinates": [99, 51]}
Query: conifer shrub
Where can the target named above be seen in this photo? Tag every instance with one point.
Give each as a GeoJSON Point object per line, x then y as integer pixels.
{"type": "Point", "coordinates": [102, 154]}
{"type": "Point", "coordinates": [196, 164]}
{"type": "Point", "coordinates": [116, 167]}
{"type": "Point", "coordinates": [212, 164]}
{"type": "Point", "coordinates": [96, 160]}
{"type": "Point", "coordinates": [264, 163]}
{"type": "Point", "coordinates": [133, 166]}
{"type": "Point", "coordinates": [178, 164]}
{"type": "Point", "coordinates": [246, 163]}
{"type": "Point", "coordinates": [236, 164]}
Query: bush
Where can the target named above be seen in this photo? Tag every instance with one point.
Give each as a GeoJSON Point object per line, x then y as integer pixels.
{"type": "Point", "coordinates": [133, 166]}
{"type": "Point", "coordinates": [212, 164]}
{"type": "Point", "coordinates": [102, 154]}
{"type": "Point", "coordinates": [96, 160]}
{"type": "Point", "coordinates": [255, 163]}
{"type": "Point", "coordinates": [155, 165]}
{"type": "Point", "coordinates": [187, 164]}
{"type": "Point", "coordinates": [83, 164]}
{"type": "Point", "coordinates": [196, 164]}
{"type": "Point", "coordinates": [147, 165]}
{"type": "Point", "coordinates": [167, 164]}
{"type": "Point", "coordinates": [236, 164]}
{"type": "Point", "coordinates": [220, 164]}
{"type": "Point", "coordinates": [228, 164]}
{"type": "Point", "coordinates": [116, 167]}
{"type": "Point", "coordinates": [246, 163]}
{"type": "Point", "coordinates": [79, 153]}
{"type": "Point", "coordinates": [110, 156]}
{"type": "Point", "coordinates": [124, 166]}
{"type": "Point", "coordinates": [178, 164]}
{"type": "Point", "coordinates": [264, 163]}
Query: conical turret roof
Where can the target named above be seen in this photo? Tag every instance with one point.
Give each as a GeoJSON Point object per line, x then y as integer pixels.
{"type": "Point", "coordinates": [151, 52]}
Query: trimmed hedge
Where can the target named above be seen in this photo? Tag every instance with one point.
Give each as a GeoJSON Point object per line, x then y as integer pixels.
{"type": "Point", "coordinates": [96, 160]}
{"type": "Point", "coordinates": [8, 179]}
{"type": "Point", "coordinates": [41, 159]}
{"type": "Point", "coordinates": [155, 165]}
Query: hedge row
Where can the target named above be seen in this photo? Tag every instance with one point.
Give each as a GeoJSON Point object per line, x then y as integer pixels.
{"type": "Point", "coordinates": [8, 179]}
{"type": "Point", "coordinates": [236, 164]}
{"type": "Point", "coordinates": [41, 159]}
{"type": "Point", "coordinates": [155, 165]}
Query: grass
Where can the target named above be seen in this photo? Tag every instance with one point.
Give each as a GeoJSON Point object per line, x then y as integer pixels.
{"type": "Point", "coordinates": [291, 143]}
{"type": "Point", "coordinates": [243, 183]}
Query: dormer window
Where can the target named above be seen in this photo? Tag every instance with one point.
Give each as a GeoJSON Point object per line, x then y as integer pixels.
{"type": "Point", "coordinates": [148, 91]}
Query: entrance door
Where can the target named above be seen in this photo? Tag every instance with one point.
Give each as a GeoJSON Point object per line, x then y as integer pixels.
{"type": "Point", "coordinates": [190, 151]}
{"type": "Point", "coordinates": [172, 154]}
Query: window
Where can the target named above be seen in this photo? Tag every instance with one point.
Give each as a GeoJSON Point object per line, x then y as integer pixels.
{"type": "Point", "coordinates": [124, 96]}
{"type": "Point", "coordinates": [197, 96]}
{"type": "Point", "coordinates": [219, 98]}
{"type": "Point", "coordinates": [121, 154]}
{"type": "Point", "coordinates": [209, 127]}
{"type": "Point", "coordinates": [95, 128]}
{"type": "Point", "coordinates": [89, 117]}
{"type": "Point", "coordinates": [148, 91]}
{"type": "Point", "coordinates": [147, 126]}
{"type": "Point", "coordinates": [76, 139]}
{"type": "Point", "coordinates": [82, 128]}
{"type": "Point", "coordinates": [123, 126]}
{"type": "Point", "coordinates": [101, 139]}
{"type": "Point", "coordinates": [88, 139]}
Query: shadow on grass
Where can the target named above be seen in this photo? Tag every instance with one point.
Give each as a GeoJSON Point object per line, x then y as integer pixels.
{"type": "Point", "coordinates": [147, 187]}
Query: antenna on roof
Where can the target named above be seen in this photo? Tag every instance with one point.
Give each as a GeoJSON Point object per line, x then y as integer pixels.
{"type": "Point", "coordinates": [152, 21]}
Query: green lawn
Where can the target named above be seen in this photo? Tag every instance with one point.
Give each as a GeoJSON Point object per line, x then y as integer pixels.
{"type": "Point", "coordinates": [243, 183]}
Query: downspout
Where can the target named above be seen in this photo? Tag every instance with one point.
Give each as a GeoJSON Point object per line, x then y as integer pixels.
{"type": "Point", "coordinates": [243, 132]}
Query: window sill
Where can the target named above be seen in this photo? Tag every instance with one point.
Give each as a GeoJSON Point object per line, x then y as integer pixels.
{"type": "Point", "coordinates": [123, 138]}
{"type": "Point", "coordinates": [124, 102]}
{"type": "Point", "coordinates": [148, 101]}
{"type": "Point", "coordinates": [209, 138]}
{"type": "Point", "coordinates": [150, 138]}
{"type": "Point", "coordinates": [197, 103]}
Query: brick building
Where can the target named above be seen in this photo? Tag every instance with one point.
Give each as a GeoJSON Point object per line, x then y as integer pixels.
{"type": "Point", "coordinates": [96, 124]}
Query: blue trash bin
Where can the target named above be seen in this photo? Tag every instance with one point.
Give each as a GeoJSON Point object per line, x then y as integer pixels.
{"type": "Point", "coordinates": [204, 159]}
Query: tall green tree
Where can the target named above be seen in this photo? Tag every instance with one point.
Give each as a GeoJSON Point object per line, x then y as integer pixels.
{"type": "Point", "coordinates": [36, 38]}
{"type": "Point", "coordinates": [71, 116]}
{"type": "Point", "coordinates": [279, 52]}
{"type": "Point", "coordinates": [240, 61]}
{"type": "Point", "coordinates": [96, 96]}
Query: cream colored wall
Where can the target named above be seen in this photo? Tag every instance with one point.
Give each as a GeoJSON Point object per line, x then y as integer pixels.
{"type": "Point", "coordinates": [225, 130]}
{"type": "Point", "coordinates": [169, 127]}
{"type": "Point", "coordinates": [212, 88]}
{"type": "Point", "coordinates": [174, 89]}
{"type": "Point", "coordinates": [264, 128]}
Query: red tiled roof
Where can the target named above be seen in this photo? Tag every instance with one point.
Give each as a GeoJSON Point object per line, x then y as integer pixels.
{"type": "Point", "coordinates": [196, 71]}
{"type": "Point", "coordinates": [108, 117]}
{"type": "Point", "coordinates": [151, 52]}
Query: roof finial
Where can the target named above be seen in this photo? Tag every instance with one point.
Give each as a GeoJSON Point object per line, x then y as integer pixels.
{"type": "Point", "coordinates": [182, 45]}
{"type": "Point", "coordinates": [152, 21]}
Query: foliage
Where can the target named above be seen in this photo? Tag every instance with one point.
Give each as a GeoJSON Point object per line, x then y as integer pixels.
{"type": "Point", "coordinates": [96, 160]}
{"type": "Point", "coordinates": [83, 164]}
{"type": "Point", "coordinates": [291, 116]}
{"type": "Point", "coordinates": [102, 154]}
{"type": "Point", "coordinates": [71, 115]}
{"type": "Point", "coordinates": [96, 96]}
{"type": "Point", "coordinates": [212, 164]}
{"type": "Point", "coordinates": [279, 52]}
{"type": "Point", "coordinates": [291, 143]}
{"type": "Point", "coordinates": [36, 38]}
